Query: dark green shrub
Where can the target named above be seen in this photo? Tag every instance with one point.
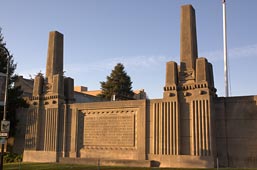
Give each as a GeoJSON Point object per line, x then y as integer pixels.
{"type": "Point", "coordinates": [18, 158]}
{"type": "Point", "coordinates": [12, 157]}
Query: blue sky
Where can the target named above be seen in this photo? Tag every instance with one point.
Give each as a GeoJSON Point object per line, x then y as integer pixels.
{"type": "Point", "coordinates": [141, 34]}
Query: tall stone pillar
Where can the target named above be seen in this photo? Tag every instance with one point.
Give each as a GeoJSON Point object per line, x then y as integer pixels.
{"type": "Point", "coordinates": [54, 63]}
{"type": "Point", "coordinates": [46, 116]}
{"type": "Point", "coordinates": [188, 42]}
{"type": "Point", "coordinates": [183, 120]}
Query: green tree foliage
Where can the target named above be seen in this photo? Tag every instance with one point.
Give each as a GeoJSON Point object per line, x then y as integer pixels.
{"type": "Point", "coordinates": [14, 100]}
{"type": "Point", "coordinates": [118, 84]}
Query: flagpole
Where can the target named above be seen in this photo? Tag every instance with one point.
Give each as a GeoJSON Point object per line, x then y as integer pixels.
{"type": "Point", "coordinates": [225, 48]}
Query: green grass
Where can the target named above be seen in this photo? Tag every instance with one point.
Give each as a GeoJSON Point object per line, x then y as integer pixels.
{"type": "Point", "coordinates": [46, 166]}
{"type": "Point", "coordinates": [56, 166]}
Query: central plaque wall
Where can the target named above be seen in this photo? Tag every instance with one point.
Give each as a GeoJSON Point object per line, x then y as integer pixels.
{"type": "Point", "coordinates": [110, 129]}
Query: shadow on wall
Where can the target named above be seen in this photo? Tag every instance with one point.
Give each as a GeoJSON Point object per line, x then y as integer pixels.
{"type": "Point", "coordinates": [236, 124]}
{"type": "Point", "coordinates": [31, 127]}
{"type": "Point", "coordinates": [81, 118]}
{"type": "Point", "coordinates": [155, 163]}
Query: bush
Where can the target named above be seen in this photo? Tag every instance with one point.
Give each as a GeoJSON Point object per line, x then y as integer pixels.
{"type": "Point", "coordinates": [12, 157]}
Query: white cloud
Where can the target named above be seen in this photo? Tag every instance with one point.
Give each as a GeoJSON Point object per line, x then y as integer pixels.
{"type": "Point", "coordinates": [143, 62]}
{"type": "Point", "coordinates": [246, 51]}
{"type": "Point", "coordinates": [240, 52]}
{"type": "Point", "coordinates": [107, 64]}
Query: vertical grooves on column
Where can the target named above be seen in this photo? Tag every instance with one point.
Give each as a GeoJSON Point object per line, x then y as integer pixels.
{"type": "Point", "coordinates": [64, 131]}
{"type": "Point", "coordinates": [37, 126]}
{"type": "Point", "coordinates": [54, 133]}
{"type": "Point", "coordinates": [204, 127]}
{"type": "Point", "coordinates": [32, 129]}
{"type": "Point", "coordinates": [208, 128]}
{"type": "Point", "coordinates": [193, 130]}
{"type": "Point", "coordinates": [46, 134]}
{"type": "Point", "coordinates": [50, 119]}
{"type": "Point", "coordinates": [177, 128]}
{"type": "Point", "coordinates": [173, 128]}
{"type": "Point", "coordinates": [50, 132]}
{"type": "Point", "coordinates": [49, 114]}
{"type": "Point", "coordinates": [170, 127]}
{"type": "Point", "coordinates": [165, 128]}
{"type": "Point", "coordinates": [157, 128]}
{"type": "Point", "coordinates": [200, 128]}
{"type": "Point", "coordinates": [49, 127]}
{"type": "Point", "coordinates": [154, 129]}
{"type": "Point", "coordinates": [51, 124]}
{"type": "Point", "coordinates": [161, 128]}
{"type": "Point", "coordinates": [197, 129]}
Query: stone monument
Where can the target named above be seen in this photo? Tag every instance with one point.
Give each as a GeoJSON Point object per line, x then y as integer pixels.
{"type": "Point", "coordinates": [46, 115]}
{"type": "Point", "coordinates": [182, 121]}
{"type": "Point", "coordinates": [190, 127]}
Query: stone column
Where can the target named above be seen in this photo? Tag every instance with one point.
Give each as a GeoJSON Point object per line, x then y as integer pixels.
{"type": "Point", "coordinates": [188, 41]}
{"type": "Point", "coordinates": [38, 85]}
{"type": "Point", "coordinates": [170, 89]}
{"type": "Point", "coordinates": [54, 63]}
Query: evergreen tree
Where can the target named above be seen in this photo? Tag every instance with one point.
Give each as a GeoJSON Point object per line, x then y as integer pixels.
{"type": "Point", "coordinates": [14, 100]}
{"type": "Point", "coordinates": [118, 84]}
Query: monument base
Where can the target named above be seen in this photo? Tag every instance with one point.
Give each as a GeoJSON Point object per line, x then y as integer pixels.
{"type": "Point", "coordinates": [106, 162]}
{"type": "Point", "coordinates": [182, 161]}
{"type": "Point", "coordinates": [40, 156]}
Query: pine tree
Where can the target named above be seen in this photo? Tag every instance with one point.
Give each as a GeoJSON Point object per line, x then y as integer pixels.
{"type": "Point", "coordinates": [14, 100]}
{"type": "Point", "coordinates": [118, 84]}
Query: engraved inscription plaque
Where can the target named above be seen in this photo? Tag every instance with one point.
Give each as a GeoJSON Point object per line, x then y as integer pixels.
{"type": "Point", "coordinates": [109, 129]}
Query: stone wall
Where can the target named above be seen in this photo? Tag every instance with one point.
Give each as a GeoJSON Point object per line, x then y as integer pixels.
{"type": "Point", "coordinates": [236, 135]}
{"type": "Point", "coordinates": [189, 128]}
{"type": "Point", "coordinates": [114, 130]}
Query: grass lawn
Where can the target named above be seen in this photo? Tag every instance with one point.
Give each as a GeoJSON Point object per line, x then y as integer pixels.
{"type": "Point", "coordinates": [56, 166]}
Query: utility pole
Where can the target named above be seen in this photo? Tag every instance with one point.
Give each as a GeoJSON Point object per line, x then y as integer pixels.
{"type": "Point", "coordinates": [5, 125]}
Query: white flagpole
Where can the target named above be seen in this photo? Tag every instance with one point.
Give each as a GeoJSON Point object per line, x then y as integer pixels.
{"type": "Point", "coordinates": [225, 48]}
